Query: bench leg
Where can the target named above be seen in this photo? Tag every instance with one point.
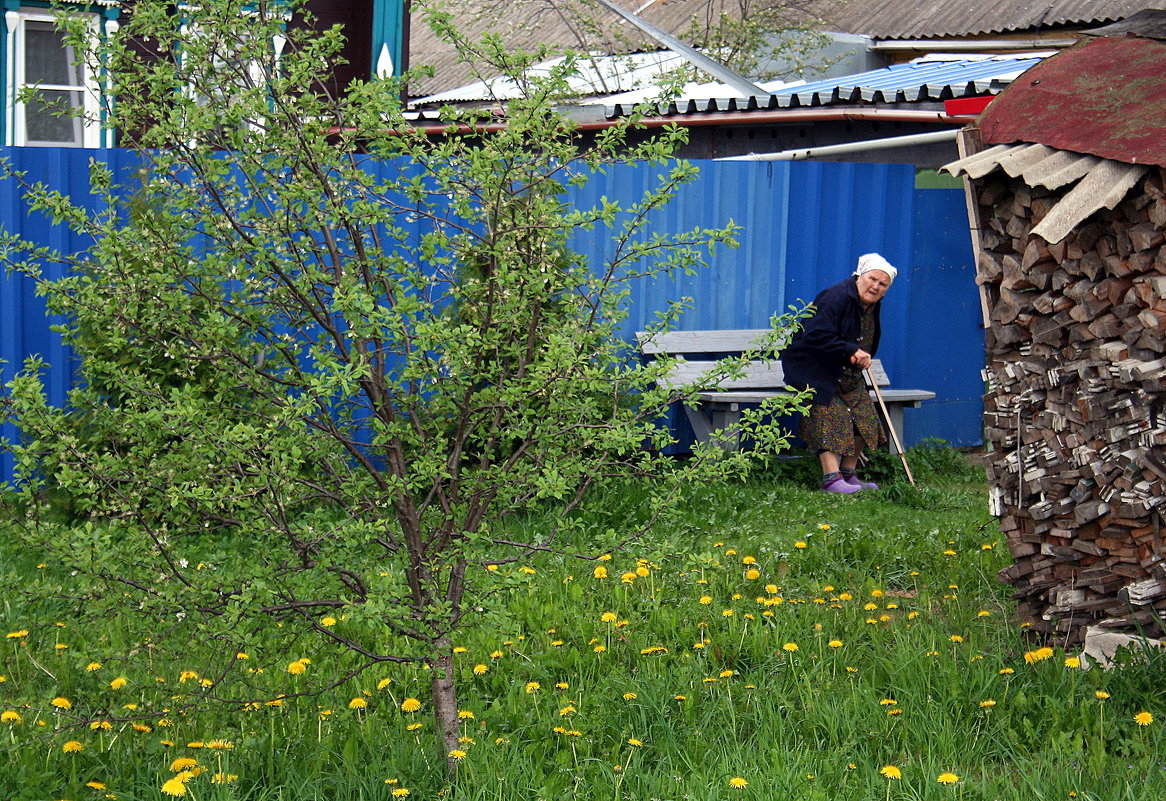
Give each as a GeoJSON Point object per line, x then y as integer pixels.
{"type": "Point", "coordinates": [895, 421]}
{"type": "Point", "coordinates": [703, 428]}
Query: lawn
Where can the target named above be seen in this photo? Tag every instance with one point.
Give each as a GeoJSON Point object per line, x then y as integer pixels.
{"type": "Point", "coordinates": [765, 641]}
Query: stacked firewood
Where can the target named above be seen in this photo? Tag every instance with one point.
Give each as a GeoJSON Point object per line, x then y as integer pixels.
{"type": "Point", "coordinates": [1075, 410]}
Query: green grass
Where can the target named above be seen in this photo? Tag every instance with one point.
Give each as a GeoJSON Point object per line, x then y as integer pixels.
{"type": "Point", "coordinates": [887, 596]}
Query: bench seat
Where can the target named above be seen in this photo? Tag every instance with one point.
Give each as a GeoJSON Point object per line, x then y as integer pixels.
{"type": "Point", "coordinates": [720, 406]}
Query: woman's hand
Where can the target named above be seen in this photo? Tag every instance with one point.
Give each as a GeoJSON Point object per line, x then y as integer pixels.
{"type": "Point", "coordinates": [860, 358]}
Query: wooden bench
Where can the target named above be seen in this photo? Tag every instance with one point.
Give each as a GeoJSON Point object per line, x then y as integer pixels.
{"type": "Point", "coordinates": [720, 406]}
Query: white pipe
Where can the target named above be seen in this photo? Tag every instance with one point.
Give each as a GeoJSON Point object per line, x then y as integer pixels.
{"type": "Point", "coordinates": [849, 147]}
{"type": "Point", "coordinates": [981, 45]}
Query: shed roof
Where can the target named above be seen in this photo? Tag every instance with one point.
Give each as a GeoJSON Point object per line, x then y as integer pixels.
{"type": "Point", "coordinates": [922, 19]}
{"type": "Point", "coordinates": [934, 77]}
{"type": "Point", "coordinates": [1104, 97]}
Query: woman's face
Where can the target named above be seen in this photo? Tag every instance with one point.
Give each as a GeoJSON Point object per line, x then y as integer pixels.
{"type": "Point", "coordinates": [872, 285]}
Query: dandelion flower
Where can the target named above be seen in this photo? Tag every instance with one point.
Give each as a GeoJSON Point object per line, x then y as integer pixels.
{"type": "Point", "coordinates": [414, 726]}
{"type": "Point", "coordinates": [790, 647]}
{"type": "Point", "coordinates": [609, 617]}
{"type": "Point", "coordinates": [1100, 695]}
{"type": "Point", "coordinates": [737, 783]}
{"type": "Point", "coordinates": [629, 696]}
{"type": "Point", "coordinates": [400, 792]}
{"type": "Point", "coordinates": [182, 763]}
{"type": "Point", "coordinates": [888, 702]}
{"type": "Point", "coordinates": [706, 599]}
{"type": "Point", "coordinates": [457, 754]}
{"type": "Point", "coordinates": [800, 544]}
{"type": "Point", "coordinates": [92, 666]}
{"type": "Point", "coordinates": [60, 702]}
{"type": "Point", "coordinates": [956, 638]}
{"type": "Point", "coordinates": [175, 787]}
{"type": "Point", "coordinates": [296, 668]}
{"type": "Point", "coordinates": [947, 778]}
{"type": "Point", "coordinates": [75, 747]}
{"type": "Point", "coordinates": [891, 772]}
{"type": "Point", "coordinates": [752, 574]}
{"type": "Point", "coordinates": [1143, 718]}
{"type": "Point", "coordinates": [1006, 671]}
{"type": "Point", "coordinates": [632, 741]}
{"type": "Point", "coordinates": [410, 705]}
{"type": "Point", "coordinates": [357, 703]}
{"type": "Point", "coordinates": [480, 669]}
{"type": "Point", "coordinates": [835, 643]}
{"type": "Point", "coordinates": [600, 572]}
{"type": "Point", "coordinates": [96, 785]}
{"type": "Point", "coordinates": [532, 687]}
{"type": "Point", "coordinates": [496, 654]}
{"type": "Point", "coordinates": [1072, 662]}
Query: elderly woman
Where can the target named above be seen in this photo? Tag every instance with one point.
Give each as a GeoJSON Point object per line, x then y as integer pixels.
{"type": "Point", "coordinates": [828, 355]}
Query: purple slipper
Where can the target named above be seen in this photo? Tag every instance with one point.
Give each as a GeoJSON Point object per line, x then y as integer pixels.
{"type": "Point", "coordinates": [840, 486]}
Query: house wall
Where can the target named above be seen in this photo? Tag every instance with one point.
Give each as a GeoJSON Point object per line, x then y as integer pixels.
{"type": "Point", "coordinates": [803, 226]}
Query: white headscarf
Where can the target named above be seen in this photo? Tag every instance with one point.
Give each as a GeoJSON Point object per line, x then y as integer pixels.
{"type": "Point", "coordinates": [873, 261]}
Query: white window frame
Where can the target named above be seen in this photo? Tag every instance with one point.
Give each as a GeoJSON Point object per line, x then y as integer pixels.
{"type": "Point", "coordinates": [16, 133]}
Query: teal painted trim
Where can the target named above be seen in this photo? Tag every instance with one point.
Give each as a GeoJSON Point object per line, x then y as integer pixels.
{"type": "Point", "coordinates": [388, 25]}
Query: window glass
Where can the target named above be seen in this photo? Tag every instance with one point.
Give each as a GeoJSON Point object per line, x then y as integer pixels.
{"type": "Point", "coordinates": [57, 83]}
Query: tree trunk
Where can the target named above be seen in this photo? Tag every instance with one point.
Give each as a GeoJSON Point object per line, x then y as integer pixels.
{"type": "Point", "coordinates": [445, 702]}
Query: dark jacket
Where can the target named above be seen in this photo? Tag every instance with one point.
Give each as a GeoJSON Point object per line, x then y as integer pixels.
{"type": "Point", "coordinates": [818, 352]}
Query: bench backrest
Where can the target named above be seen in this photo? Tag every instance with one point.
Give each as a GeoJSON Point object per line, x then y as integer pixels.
{"type": "Point", "coordinates": [758, 375]}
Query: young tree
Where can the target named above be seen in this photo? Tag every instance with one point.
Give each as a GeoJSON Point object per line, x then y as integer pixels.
{"type": "Point", "coordinates": [326, 355]}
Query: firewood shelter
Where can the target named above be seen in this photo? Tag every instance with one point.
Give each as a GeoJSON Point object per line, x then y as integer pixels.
{"type": "Point", "coordinates": [1066, 177]}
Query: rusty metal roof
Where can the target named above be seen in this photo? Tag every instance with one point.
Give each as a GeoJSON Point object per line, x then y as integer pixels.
{"type": "Point", "coordinates": [923, 19]}
{"type": "Point", "coordinates": [1104, 97]}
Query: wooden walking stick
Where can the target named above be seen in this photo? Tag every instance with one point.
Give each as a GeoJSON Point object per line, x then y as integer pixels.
{"type": "Point", "coordinates": [890, 427]}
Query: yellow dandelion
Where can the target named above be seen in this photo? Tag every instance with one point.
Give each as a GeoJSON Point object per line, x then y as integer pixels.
{"type": "Point", "coordinates": [60, 702]}
{"type": "Point", "coordinates": [75, 747]}
{"type": "Point", "coordinates": [956, 638]}
{"type": "Point", "coordinates": [480, 669]}
{"type": "Point", "coordinates": [1072, 662]}
{"type": "Point", "coordinates": [628, 578]}
{"type": "Point", "coordinates": [888, 702]}
{"type": "Point", "coordinates": [562, 685]}
{"type": "Point", "coordinates": [457, 754]}
{"type": "Point", "coordinates": [175, 787]}
{"type": "Point", "coordinates": [800, 544]}
{"type": "Point", "coordinates": [532, 687]}
{"type": "Point", "coordinates": [465, 714]}
{"type": "Point", "coordinates": [987, 703]}
{"type": "Point", "coordinates": [8, 716]}
{"type": "Point", "coordinates": [496, 654]}
{"type": "Point", "coordinates": [93, 666]}
{"type": "Point", "coordinates": [182, 763]}
{"type": "Point", "coordinates": [835, 643]}
{"type": "Point", "coordinates": [1006, 671]}
{"type": "Point", "coordinates": [414, 726]}
{"type": "Point", "coordinates": [118, 683]}
{"type": "Point", "coordinates": [891, 772]}
{"type": "Point", "coordinates": [400, 792]}
{"type": "Point", "coordinates": [16, 635]}
{"type": "Point", "coordinates": [752, 574]}
{"type": "Point", "coordinates": [599, 649]}
{"type": "Point", "coordinates": [947, 778]}
{"type": "Point", "coordinates": [609, 617]}
{"type": "Point", "coordinates": [357, 703]}
{"type": "Point", "coordinates": [296, 668]}
{"type": "Point", "coordinates": [629, 696]}
{"type": "Point", "coordinates": [1100, 695]}
{"type": "Point", "coordinates": [632, 741]}
{"type": "Point", "coordinates": [790, 647]}
{"type": "Point", "coordinates": [727, 613]}
{"type": "Point", "coordinates": [600, 572]}
{"type": "Point", "coordinates": [605, 557]}
{"type": "Point", "coordinates": [410, 705]}
{"type": "Point", "coordinates": [706, 599]}
{"type": "Point", "coordinates": [96, 785]}
{"type": "Point", "coordinates": [567, 710]}
{"type": "Point", "coordinates": [1143, 718]}
{"type": "Point", "coordinates": [737, 783]}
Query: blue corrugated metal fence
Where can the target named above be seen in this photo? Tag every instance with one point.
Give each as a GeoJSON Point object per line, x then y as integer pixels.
{"type": "Point", "coordinates": [804, 225]}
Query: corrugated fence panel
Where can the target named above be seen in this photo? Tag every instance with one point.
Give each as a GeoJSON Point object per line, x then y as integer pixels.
{"type": "Point", "coordinates": [803, 226]}
{"type": "Point", "coordinates": [945, 330]}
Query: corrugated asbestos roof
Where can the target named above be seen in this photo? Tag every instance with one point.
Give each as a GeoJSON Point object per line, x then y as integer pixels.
{"type": "Point", "coordinates": [925, 19]}
{"type": "Point", "coordinates": [933, 78]}
{"type": "Point", "coordinates": [572, 24]}
{"type": "Point", "coordinates": [929, 78]}
{"type": "Point", "coordinates": [1101, 183]}
{"type": "Point", "coordinates": [1104, 97]}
